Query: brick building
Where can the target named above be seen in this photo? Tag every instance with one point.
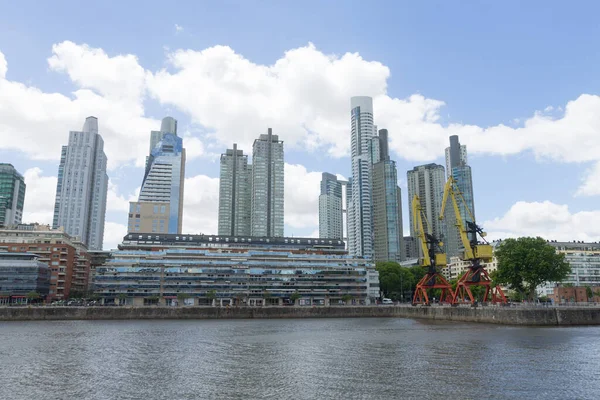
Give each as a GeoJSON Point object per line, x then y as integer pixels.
{"type": "Point", "coordinates": [67, 257]}
{"type": "Point", "coordinates": [574, 294]}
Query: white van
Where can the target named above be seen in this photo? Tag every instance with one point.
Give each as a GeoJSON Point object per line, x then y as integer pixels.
{"type": "Point", "coordinates": [387, 301]}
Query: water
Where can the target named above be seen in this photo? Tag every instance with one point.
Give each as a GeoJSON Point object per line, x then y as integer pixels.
{"type": "Point", "coordinates": [295, 359]}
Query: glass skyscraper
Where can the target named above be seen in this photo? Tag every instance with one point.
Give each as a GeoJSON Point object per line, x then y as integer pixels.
{"type": "Point", "coordinates": [331, 215]}
{"type": "Point", "coordinates": [235, 193]}
{"type": "Point", "coordinates": [12, 195]}
{"type": "Point", "coordinates": [80, 205]}
{"type": "Point", "coordinates": [427, 181]}
{"type": "Point", "coordinates": [159, 208]}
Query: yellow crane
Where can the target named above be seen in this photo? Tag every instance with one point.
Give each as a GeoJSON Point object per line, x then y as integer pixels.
{"type": "Point", "coordinates": [474, 252]}
{"type": "Point", "coordinates": [433, 257]}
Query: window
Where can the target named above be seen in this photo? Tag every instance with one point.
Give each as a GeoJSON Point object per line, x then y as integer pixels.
{"type": "Point", "coordinates": [163, 209]}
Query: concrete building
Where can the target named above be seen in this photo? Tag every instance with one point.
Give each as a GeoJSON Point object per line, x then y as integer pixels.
{"type": "Point", "coordinates": [331, 215]}
{"type": "Point", "coordinates": [360, 205]}
{"type": "Point", "coordinates": [235, 193]}
{"type": "Point", "coordinates": [410, 248]}
{"type": "Point", "coordinates": [387, 204]}
{"type": "Point", "coordinates": [80, 206]}
{"type": "Point", "coordinates": [236, 270]}
{"type": "Point", "coordinates": [159, 208]}
{"type": "Point", "coordinates": [266, 216]}
{"type": "Point", "coordinates": [457, 267]}
{"type": "Point", "coordinates": [427, 181]}
{"type": "Point", "coordinates": [67, 257]}
{"type": "Point", "coordinates": [21, 274]}
{"type": "Point", "coordinates": [12, 195]}
{"type": "Point", "coordinates": [457, 167]}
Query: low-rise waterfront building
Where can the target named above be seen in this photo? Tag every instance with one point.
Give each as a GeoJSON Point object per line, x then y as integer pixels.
{"type": "Point", "coordinates": [66, 256]}
{"type": "Point", "coordinates": [457, 267]}
{"type": "Point", "coordinates": [202, 269]}
{"type": "Point", "coordinates": [20, 275]}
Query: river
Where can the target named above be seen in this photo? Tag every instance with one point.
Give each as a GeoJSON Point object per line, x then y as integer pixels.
{"type": "Point", "coordinates": [389, 358]}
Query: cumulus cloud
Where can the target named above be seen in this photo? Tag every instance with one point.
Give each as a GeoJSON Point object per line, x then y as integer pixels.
{"type": "Point", "coordinates": [39, 197]}
{"type": "Point", "coordinates": [116, 201]}
{"type": "Point", "coordinates": [3, 66]}
{"type": "Point", "coordinates": [201, 205]}
{"type": "Point", "coordinates": [590, 185]}
{"type": "Point", "coordinates": [113, 234]}
{"type": "Point", "coordinates": [178, 28]}
{"type": "Point", "coordinates": [301, 197]}
{"type": "Point", "coordinates": [546, 219]}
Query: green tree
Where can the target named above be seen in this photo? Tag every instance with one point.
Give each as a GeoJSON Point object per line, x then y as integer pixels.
{"type": "Point", "coordinates": [295, 297]}
{"type": "Point", "coordinates": [211, 295]}
{"type": "Point", "coordinates": [33, 296]}
{"type": "Point", "coordinates": [396, 281]}
{"type": "Point", "coordinates": [347, 298]}
{"type": "Point", "coordinates": [526, 262]}
{"type": "Point", "coordinates": [589, 293]}
{"type": "Point", "coordinates": [181, 298]}
{"type": "Point", "coordinates": [122, 297]}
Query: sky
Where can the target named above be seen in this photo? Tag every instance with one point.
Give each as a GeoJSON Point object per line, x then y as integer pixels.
{"type": "Point", "coordinates": [517, 81]}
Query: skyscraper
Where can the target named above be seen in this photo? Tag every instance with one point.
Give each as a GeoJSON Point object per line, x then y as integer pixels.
{"type": "Point", "coordinates": [160, 204]}
{"type": "Point", "coordinates": [234, 193]}
{"type": "Point", "coordinates": [80, 206]}
{"type": "Point", "coordinates": [266, 217]}
{"type": "Point", "coordinates": [331, 217]}
{"type": "Point", "coordinates": [12, 195]}
{"type": "Point", "coordinates": [360, 207]}
{"type": "Point", "coordinates": [387, 204]}
{"type": "Point", "coordinates": [458, 168]}
{"type": "Point", "coordinates": [427, 181]}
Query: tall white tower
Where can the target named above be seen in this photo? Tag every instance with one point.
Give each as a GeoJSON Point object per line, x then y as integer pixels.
{"type": "Point", "coordinates": [360, 208]}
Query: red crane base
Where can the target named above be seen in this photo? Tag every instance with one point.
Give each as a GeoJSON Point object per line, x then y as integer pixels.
{"type": "Point", "coordinates": [463, 292]}
{"type": "Point", "coordinates": [432, 280]}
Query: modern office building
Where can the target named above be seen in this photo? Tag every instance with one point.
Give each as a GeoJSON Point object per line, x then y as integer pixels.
{"type": "Point", "coordinates": [410, 248]}
{"type": "Point", "coordinates": [66, 256]}
{"type": "Point", "coordinates": [80, 206]}
{"type": "Point", "coordinates": [387, 204]}
{"type": "Point", "coordinates": [360, 206]}
{"type": "Point", "coordinates": [457, 167]}
{"type": "Point", "coordinates": [427, 181]}
{"type": "Point", "coordinates": [267, 207]}
{"type": "Point", "coordinates": [20, 275]}
{"type": "Point", "coordinates": [159, 208]}
{"type": "Point", "coordinates": [235, 270]}
{"type": "Point", "coordinates": [235, 193]}
{"type": "Point", "coordinates": [12, 195]}
{"type": "Point", "coordinates": [331, 214]}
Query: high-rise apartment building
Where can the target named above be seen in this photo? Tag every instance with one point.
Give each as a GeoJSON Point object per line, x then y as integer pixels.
{"type": "Point", "coordinates": [235, 193]}
{"type": "Point", "coordinates": [12, 195]}
{"type": "Point", "coordinates": [360, 206]}
{"type": "Point", "coordinates": [427, 181]}
{"type": "Point", "coordinates": [266, 215]}
{"type": "Point", "coordinates": [80, 206]}
{"type": "Point", "coordinates": [456, 162]}
{"type": "Point", "coordinates": [387, 204]}
{"type": "Point", "coordinates": [159, 208]}
{"type": "Point", "coordinates": [331, 216]}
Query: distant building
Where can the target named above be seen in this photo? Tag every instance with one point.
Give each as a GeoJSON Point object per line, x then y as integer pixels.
{"type": "Point", "coordinates": [331, 217]}
{"type": "Point", "coordinates": [387, 204]}
{"type": "Point", "coordinates": [267, 203]}
{"type": "Point", "coordinates": [360, 187]}
{"type": "Point", "coordinates": [574, 294]}
{"type": "Point", "coordinates": [237, 270]}
{"type": "Point", "coordinates": [235, 193]}
{"type": "Point", "coordinates": [21, 274]}
{"type": "Point", "coordinates": [159, 208]}
{"type": "Point", "coordinates": [457, 167]}
{"type": "Point", "coordinates": [457, 267]}
{"type": "Point", "coordinates": [66, 256]}
{"type": "Point", "coordinates": [410, 248]}
{"type": "Point", "coordinates": [80, 206]}
{"type": "Point", "coordinates": [427, 181]}
{"type": "Point", "coordinates": [12, 195]}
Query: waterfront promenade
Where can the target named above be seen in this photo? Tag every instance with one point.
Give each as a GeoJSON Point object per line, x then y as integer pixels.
{"type": "Point", "coordinates": [534, 316]}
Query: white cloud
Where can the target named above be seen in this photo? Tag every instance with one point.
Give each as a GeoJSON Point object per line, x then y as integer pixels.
{"type": "Point", "coordinates": [113, 234]}
{"type": "Point", "coordinates": [201, 205]}
{"type": "Point", "coordinates": [546, 219]}
{"type": "Point", "coordinates": [301, 197]}
{"type": "Point", "coordinates": [39, 197]}
{"type": "Point", "coordinates": [3, 66]}
{"type": "Point", "coordinates": [116, 201]}
{"type": "Point", "coordinates": [194, 148]}
{"type": "Point", "coordinates": [590, 185]}
{"type": "Point", "coordinates": [178, 28]}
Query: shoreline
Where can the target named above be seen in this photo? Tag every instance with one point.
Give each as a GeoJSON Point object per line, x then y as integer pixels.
{"type": "Point", "coordinates": [538, 316]}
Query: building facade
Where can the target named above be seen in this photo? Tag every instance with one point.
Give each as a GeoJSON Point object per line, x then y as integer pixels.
{"type": "Point", "coordinates": [267, 203]}
{"type": "Point", "coordinates": [457, 167]}
{"type": "Point", "coordinates": [427, 181]}
{"type": "Point", "coordinates": [360, 205]}
{"type": "Point", "coordinates": [387, 204]}
{"type": "Point", "coordinates": [12, 195]}
{"type": "Point", "coordinates": [331, 214]}
{"type": "Point", "coordinates": [21, 274]}
{"type": "Point", "coordinates": [235, 193]}
{"type": "Point", "coordinates": [80, 206]}
{"type": "Point", "coordinates": [410, 248]}
{"type": "Point", "coordinates": [67, 257]}
{"type": "Point", "coordinates": [159, 208]}
{"type": "Point", "coordinates": [240, 270]}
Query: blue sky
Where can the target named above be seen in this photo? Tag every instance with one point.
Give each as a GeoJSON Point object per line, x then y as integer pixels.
{"type": "Point", "coordinates": [510, 66]}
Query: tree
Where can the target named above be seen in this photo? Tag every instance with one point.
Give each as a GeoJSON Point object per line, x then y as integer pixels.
{"type": "Point", "coordinates": [589, 293]}
{"type": "Point", "coordinates": [346, 298]}
{"type": "Point", "coordinates": [526, 262]}
{"type": "Point", "coordinates": [396, 281]}
{"type": "Point", "coordinates": [211, 295]}
{"type": "Point", "coordinates": [122, 297]}
{"type": "Point", "coordinates": [33, 296]}
{"type": "Point", "coordinates": [181, 298]}
{"type": "Point", "coordinates": [294, 297]}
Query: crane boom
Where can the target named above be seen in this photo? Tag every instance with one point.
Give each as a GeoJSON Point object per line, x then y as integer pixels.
{"type": "Point", "coordinates": [449, 191]}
